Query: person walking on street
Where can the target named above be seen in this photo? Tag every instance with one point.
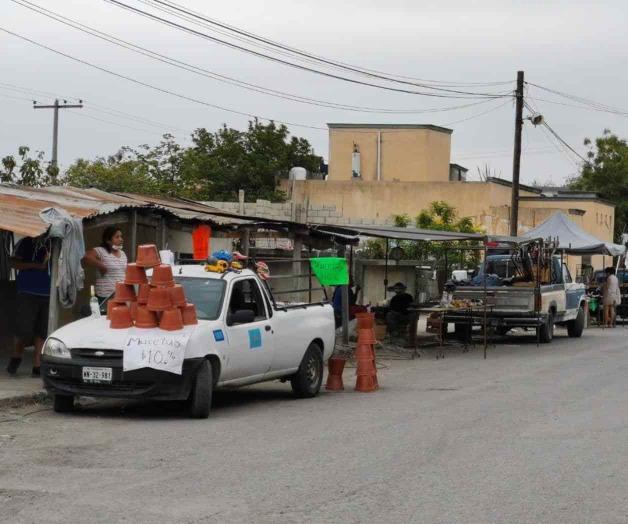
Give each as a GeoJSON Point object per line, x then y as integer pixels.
{"type": "Point", "coordinates": [30, 260]}
{"type": "Point", "coordinates": [109, 260]}
{"type": "Point", "coordinates": [611, 296]}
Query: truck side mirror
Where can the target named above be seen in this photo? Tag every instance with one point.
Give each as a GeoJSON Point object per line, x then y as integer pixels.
{"type": "Point", "coordinates": [241, 316]}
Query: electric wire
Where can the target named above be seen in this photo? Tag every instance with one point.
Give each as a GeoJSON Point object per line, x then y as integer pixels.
{"type": "Point", "coordinates": [219, 77]}
{"type": "Point", "coordinates": [253, 39]}
{"type": "Point", "coordinates": [99, 108]}
{"type": "Point", "coordinates": [581, 100]}
{"type": "Point", "coordinates": [449, 92]}
{"type": "Point", "coordinates": [157, 88]}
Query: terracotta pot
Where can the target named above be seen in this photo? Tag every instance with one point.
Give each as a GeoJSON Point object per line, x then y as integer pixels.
{"type": "Point", "coordinates": [111, 303]}
{"type": "Point", "coordinates": [146, 318]}
{"type": "Point", "coordinates": [162, 276]}
{"type": "Point", "coordinates": [365, 320]}
{"type": "Point", "coordinates": [133, 310]}
{"type": "Point", "coordinates": [335, 366]}
{"type": "Point", "coordinates": [135, 274]}
{"type": "Point", "coordinates": [188, 312]}
{"type": "Point", "coordinates": [124, 293]}
{"type": "Point", "coordinates": [121, 317]}
{"type": "Point", "coordinates": [177, 295]}
{"type": "Point", "coordinates": [366, 336]}
{"type": "Point", "coordinates": [159, 299]}
{"type": "Point", "coordinates": [147, 256]}
{"type": "Point", "coordinates": [142, 293]}
{"type": "Point", "coordinates": [171, 319]}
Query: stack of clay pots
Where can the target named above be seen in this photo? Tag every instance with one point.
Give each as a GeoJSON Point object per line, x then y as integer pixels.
{"type": "Point", "coordinates": [158, 303]}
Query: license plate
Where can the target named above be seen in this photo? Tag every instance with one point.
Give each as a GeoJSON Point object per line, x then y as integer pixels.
{"type": "Point", "coordinates": [97, 375]}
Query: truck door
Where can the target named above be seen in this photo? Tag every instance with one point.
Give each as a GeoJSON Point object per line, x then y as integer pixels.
{"type": "Point", "coordinates": [573, 291]}
{"type": "Point", "coordinates": [250, 343]}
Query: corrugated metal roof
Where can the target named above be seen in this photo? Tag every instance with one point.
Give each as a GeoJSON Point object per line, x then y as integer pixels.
{"type": "Point", "coordinates": [20, 206]}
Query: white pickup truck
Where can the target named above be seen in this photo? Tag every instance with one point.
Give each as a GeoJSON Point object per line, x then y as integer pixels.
{"type": "Point", "coordinates": [242, 337]}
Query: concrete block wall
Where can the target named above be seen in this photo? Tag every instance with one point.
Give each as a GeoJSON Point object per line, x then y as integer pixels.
{"type": "Point", "coordinates": [325, 214]}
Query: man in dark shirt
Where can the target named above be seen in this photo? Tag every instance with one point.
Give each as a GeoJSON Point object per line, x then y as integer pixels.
{"type": "Point", "coordinates": [33, 295]}
{"type": "Point", "coordinates": [398, 314]}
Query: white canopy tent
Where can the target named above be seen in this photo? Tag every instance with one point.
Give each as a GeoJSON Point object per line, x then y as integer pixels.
{"type": "Point", "coordinates": [572, 239]}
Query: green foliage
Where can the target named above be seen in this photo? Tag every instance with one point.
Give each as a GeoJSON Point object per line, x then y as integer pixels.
{"type": "Point", "coordinates": [606, 173]}
{"type": "Point", "coordinates": [439, 216]}
{"type": "Point", "coordinates": [402, 220]}
{"type": "Point", "coordinates": [214, 167]}
{"type": "Point", "coordinates": [32, 171]}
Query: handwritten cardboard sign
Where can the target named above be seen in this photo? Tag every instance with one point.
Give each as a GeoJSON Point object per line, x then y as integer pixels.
{"type": "Point", "coordinates": [330, 271]}
{"type": "Point", "coordinates": [156, 349]}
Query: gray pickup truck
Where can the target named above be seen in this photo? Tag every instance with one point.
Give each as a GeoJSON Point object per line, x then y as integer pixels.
{"type": "Point", "coordinates": [561, 302]}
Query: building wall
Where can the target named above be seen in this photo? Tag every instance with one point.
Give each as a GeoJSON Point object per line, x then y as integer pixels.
{"type": "Point", "coordinates": [417, 155]}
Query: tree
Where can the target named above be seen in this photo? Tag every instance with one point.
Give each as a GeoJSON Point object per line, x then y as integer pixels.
{"type": "Point", "coordinates": [439, 216]}
{"type": "Point", "coordinates": [606, 173]}
{"type": "Point", "coordinates": [31, 170]}
{"type": "Point", "coordinates": [215, 167]}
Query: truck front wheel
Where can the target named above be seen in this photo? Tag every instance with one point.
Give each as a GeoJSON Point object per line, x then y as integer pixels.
{"type": "Point", "coordinates": [575, 327]}
{"type": "Point", "coordinates": [200, 399]}
{"type": "Point", "coordinates": [306, 382]}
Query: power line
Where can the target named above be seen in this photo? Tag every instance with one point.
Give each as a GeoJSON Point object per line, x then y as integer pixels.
{"type": "Point", "coordinates": [156, 88]}
{"type": "Point", "coordinates": [254, 39]}
{"type": "Point", "coordinates": [546, 126]}
{"type": "Point", "coordinates": [216, 76]}
{"type": "Point", "coordinates": [99, 108]}
{"type": "Point", "coordinates": [494, 108]}
{"type": "Point", "coordinates": [583, 101]}
{"type": "Point", "coordinates": [454, 93]}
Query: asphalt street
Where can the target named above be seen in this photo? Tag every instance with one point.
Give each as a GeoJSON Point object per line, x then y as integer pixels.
{"type": "Point", "coordinates": [532, 434]}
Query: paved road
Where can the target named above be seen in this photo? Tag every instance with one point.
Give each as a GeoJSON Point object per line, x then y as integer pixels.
{"type": "Point", "coordinates": [529, 435]}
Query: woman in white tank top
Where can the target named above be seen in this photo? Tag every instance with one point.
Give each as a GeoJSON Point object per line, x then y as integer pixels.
{"type": "Point", "coordinates": [110, 262]}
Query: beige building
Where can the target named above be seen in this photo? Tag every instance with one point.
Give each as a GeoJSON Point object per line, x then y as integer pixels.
{"type": "Point", "coordinates": [378, 171]}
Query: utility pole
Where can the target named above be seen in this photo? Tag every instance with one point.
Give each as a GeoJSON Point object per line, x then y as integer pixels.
{"type": "Point", "coordinates": [55, 123]}
{"type": "Point", "coordinates": [516, 160]}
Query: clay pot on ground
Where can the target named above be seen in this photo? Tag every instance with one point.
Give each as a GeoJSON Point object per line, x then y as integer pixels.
{"type": "Point", "coordinates": [188, 312]}
{"type": "Point", "coordinates": [135, 274]}
{"type": "Point", "coordinates": [162, 276]}
{"type": "Point", "coordinates": [365, 320]}
{"type": "Point", "coordinates": [147, 256]}
{"type": "Point", "coordinates": [133, 309]}
{"type": "Point", "coordinates": [142, 293]}
{"type": "Point", "coordinates": [177, 295]}
{"type": "Point", "coordinates": [121, 317]}
{"type": "Point", "coordinates": [171, 319]}
{"type": "Point", "coordinates": [124, 293]}
{"type": "Point", "coordinates": [146, 318]}
{"type": "Point", "coordinates": [159, 299]}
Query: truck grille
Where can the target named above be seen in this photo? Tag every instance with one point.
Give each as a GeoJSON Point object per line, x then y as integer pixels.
{"type": "Point", "coordinates": [114, 354]}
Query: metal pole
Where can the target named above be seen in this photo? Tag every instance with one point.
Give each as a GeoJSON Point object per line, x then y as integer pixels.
{"type": "Point", "coordinates": [133, 249]}
{"type": "Point", "coordinates": [344, 295]}
{"type": "Point", "coordinates": [53, 307]}
{"type": "Point", "coordinates": [485, 329]}
{"type": "Point", "coordinates": [516, 160]}
{"type": "Point", "coordinates": [386, 272]}
{"type": "Point", "coordinates": [55, 133]}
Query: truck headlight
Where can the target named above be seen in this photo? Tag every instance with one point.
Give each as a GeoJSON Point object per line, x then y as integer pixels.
{"type": "Point", "coordinates": [55, 348]}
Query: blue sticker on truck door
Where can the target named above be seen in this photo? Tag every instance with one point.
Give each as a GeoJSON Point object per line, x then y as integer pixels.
{"type": "Point", "coordinates": [255, 338]}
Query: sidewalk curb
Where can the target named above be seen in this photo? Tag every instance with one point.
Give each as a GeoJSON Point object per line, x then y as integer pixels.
{"type": "Point", "coordinates": [25, 399]}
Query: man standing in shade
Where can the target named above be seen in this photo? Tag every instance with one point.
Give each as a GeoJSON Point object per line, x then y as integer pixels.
{"type": "Point", "coordinates": [33, 296]}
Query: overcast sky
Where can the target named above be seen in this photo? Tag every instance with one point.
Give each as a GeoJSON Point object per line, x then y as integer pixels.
{"type": "Point", "coordinates": [571, 46]}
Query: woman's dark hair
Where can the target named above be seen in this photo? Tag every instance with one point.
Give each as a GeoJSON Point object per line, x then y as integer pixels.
{"type": "Point", "coordinates": [609, 271]}
{"type": "Point", "coordinates": [107, 235]}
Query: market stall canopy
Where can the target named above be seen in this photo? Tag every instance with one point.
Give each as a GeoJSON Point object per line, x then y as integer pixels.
{"type": "Point", "coordinates": [572, 239]}
{"type": "Point", "coordinates": [415, 234]}
{"type": "Point", "coordinates": [20, 207]}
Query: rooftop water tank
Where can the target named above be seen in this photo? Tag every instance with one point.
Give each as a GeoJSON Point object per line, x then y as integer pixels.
{"type": "Point", "coordinates": [297, 173]}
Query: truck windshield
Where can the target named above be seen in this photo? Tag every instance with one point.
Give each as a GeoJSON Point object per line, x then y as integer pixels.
{"type": "Point", "coordinates": [206, 294]}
